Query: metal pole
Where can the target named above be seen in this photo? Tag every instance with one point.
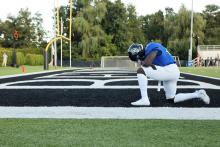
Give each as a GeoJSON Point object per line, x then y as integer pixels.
{"type": "Point", "coordinates": [55, 56]}
{"type": "Point", "coordinates": [70, 32]}
{"type": "Point", "coordinates": [70, 54]}
{"type": "Point", "coordinates": [55, 35]}
{"type": "Point", "coordinates": [61, 49]}
{"type": "Point", "coordinates": [14, 64]}
{"type": "Point", "coordinates": [191, 36]}
{"type": "Point", "coordinates": [57, 32]}
{"type": "Point", "coordinates": [58, 18]}
{"type": "Point", "coordinates": [45, 60]}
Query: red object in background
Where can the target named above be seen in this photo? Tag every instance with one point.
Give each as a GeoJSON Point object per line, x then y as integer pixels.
{"type": "Point", "coordinates": [15, 35]}
{"type": "Point", "coordinates": [22, 68]}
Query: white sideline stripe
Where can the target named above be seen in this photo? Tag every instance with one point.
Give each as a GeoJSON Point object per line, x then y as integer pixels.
{"type": "Point", "coordinates": [111, 113]}
{"type": "Point", "coordinates": [77, 74]}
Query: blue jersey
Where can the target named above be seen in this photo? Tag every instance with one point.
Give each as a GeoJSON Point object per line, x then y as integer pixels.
{"type": "Point", "coordinates": [163, 57]}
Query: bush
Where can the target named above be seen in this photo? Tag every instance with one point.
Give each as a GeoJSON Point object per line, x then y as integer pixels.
{"type": "Point", "coordinates": [22, 57]}
{"type": "Point", "coordinates": [33, 59]}
{"type": "Point", "coordinates": [30, 51]}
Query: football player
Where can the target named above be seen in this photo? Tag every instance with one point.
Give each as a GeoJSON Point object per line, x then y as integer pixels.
{"type": "Point", "coordinates": [158, 64]}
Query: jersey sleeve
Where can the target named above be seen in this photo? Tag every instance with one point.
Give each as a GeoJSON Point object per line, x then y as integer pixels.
{"type": "Point", "coordinates": [153, 47]}
{"type": "Point", "coordinates": [159, 52]}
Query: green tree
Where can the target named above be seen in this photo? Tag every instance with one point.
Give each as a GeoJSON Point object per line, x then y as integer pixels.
{"type": "Point", "coordinates": [103, 27]}
{"type": "Point", "coordinates": [179, 41]}
{"type": "Point", "coordinates": [26, 29]}
{"type": "Point", "coordinates": [91, 37]}
{"type": "Point", "coordinates": [39, 31]}
{"type": "Point", "coordinates": [115, 24]}
{"type": "Point", "coordinates": [154, 26]}
{"type": "Point", "coordinates": [169, 27]}
{"type": "Point", "coordinates": [30, 30]}
{"type": "Point", "coordinates": [134, 27]}
{"type": "Point", "coordinates": [212, 16]}
{"type": "Point", "coordinates": [7, 29]}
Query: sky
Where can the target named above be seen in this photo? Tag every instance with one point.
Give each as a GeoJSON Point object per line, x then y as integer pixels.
{"type": "Point", "coordinates": [143, 7]}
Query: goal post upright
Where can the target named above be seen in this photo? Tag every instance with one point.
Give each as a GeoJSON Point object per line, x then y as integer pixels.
{"type": "Point", "coordinates": [59, 36]}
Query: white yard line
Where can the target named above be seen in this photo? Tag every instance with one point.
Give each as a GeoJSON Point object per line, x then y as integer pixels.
{"type": "Point", "coordinates": [82, 77]}
{"type": "Point", "coordinates": [98, 84]}
{"type": "Point", "coordinates": [98, 69]}
{"type": "Point", "coordinates": [111, 113]}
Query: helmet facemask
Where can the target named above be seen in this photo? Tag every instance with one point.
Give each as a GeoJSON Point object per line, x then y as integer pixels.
{"type": "Point", "coordinates": [136, 52]}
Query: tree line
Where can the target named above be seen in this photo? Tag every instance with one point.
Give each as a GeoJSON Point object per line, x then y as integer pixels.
{"type": "Point", "coordinates": [31, 32]}
{"type": "Point", "coordinates": [106, 28]}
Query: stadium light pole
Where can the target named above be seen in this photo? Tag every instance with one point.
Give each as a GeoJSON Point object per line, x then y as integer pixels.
{"type": "Point", "coordinates": [61, 48]}
{"type": "Point", "coordinates": [191, 36]}
{"type": "Point", "coordinates": [70, 32]}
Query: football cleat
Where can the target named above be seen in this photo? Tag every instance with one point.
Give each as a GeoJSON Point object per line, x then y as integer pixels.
{"type": "Point", "coordinates": [204, 96]}
{"type": "Point", "coordinates": [141, 102]}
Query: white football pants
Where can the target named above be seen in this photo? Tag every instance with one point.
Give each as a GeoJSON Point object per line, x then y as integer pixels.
{"type": "Point", "coordinates": [168, 74]}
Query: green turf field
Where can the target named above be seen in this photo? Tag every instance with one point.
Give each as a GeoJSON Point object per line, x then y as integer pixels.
{"type": "Point", "coordinates": [27, 69]}
{"type": "Point", "coordinates": [108, 133]}
{"type": "Point", "coordinates": [205, 71]}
